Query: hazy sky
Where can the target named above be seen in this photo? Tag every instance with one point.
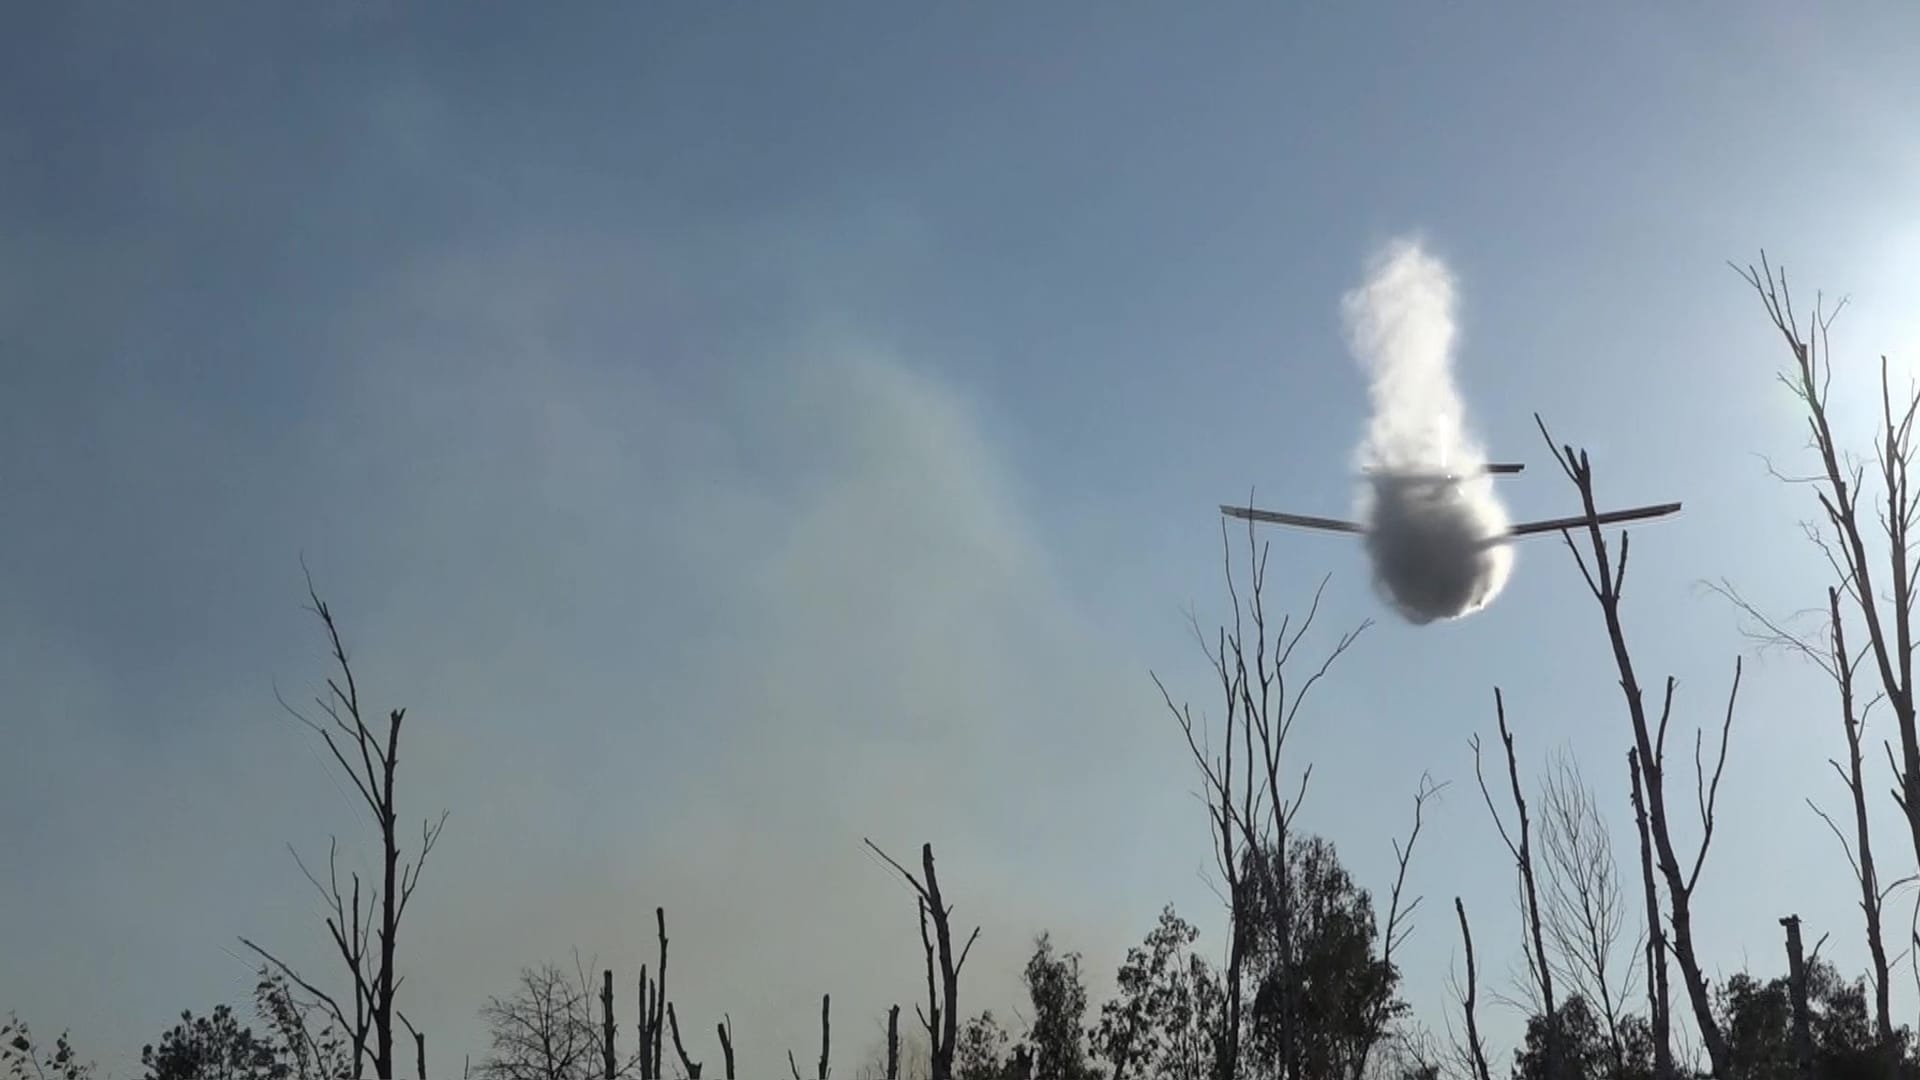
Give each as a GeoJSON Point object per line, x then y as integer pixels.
{"type": "Point", "coordinates": [731, 434]}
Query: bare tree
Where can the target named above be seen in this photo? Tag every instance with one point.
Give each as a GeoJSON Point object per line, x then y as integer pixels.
{"type": "Point", "coordinates": [1797, 997]}
{"type": "Point", "coordinates": [691, 1066]}
{"type": "Point", "coordinates": [419, 1046]}
{"type": "Point", "coordinates": [1885, 608]}
{"type": "Point", "coordinates": [893, 1042]}
{"type": "Point", "coordinates": [725, 1029]}
{"type": "Point", "coordinates": [1539, 964]}
{"type": "Point", "coordinates": [1246, 799]}
{"type": "Point", "coordinates": [1842, 666]}
{"type": "Point", "coordinates": [941, 1017]}
{"type": "Point", "coordinates": [1840, 488]}
{"type": "Point", "coordinates": [1586, 912]}
{"type": "Point", "coordinates": [1399, 923]}
{"type": "Point", "coordinates": [653, 1007]}
{"type": "Point", "coordinates": [371, 760]}
{"type": "Point", "coordinates": [545, 1030]}
{"type": "Point", "coordinates": [1605, 578]}
{"type": "Point", "coordinates": [1475, 1051]}
{"type": "Point", "coordinates": [1659, 1006]}
{"type": "Point", "coordinates": [826, 1040]}
{"type": "Point", "coordinates": [609, 1065]}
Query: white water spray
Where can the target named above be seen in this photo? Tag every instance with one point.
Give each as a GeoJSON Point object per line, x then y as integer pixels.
{"type": "Point", "coordinates": [1434, 546]}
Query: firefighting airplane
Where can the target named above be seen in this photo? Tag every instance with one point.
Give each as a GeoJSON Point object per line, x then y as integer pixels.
{"type": "Point", "coordinates": [1384, 478]}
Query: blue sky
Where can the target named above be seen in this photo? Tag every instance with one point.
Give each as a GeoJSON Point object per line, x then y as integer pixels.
{"type": "Point", "coordinates": [734, 432]}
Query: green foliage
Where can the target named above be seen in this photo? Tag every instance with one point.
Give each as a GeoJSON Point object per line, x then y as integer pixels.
{"type": "Point", "coordinates": [306, 1041]}
{"type": "Point", "coordinates": [21, 1058]}
{"type": "Point", "coordinates": [214, 1047]}
{"type": "Point", "coordinates": [1161, 1023]}
{"type": "Point", "coordinates": [1586, 1050]}
{"type": "Point", "coordinates": [1758, 1019]}
{"type": "Point", "coordinates": [1343, 997]}
{"type": "Point", "coordinates": [1057, 1036]}
{"type": "Point", "coordinates": [982, 1050]}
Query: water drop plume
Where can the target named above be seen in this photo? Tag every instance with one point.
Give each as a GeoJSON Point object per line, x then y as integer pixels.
{"type": "Point", "coordinates": [1434, 544]}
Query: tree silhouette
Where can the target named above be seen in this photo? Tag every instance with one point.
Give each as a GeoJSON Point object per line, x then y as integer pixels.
{"type": "Point", "coordinates": [24, 1058]}
{"type": "Point", "coordinates": [544, 1030]}
{"type": "Point", "coordinates": [212, 1047]}
{"type": "Point", "coordinates": [1342, 994]}
{"type": "Point", "coordinates": [1057, 1035]}
{"type": "Point", "coordinates": [1156, 1026]}
{"type": "Point", "coordinates": [368, 947]}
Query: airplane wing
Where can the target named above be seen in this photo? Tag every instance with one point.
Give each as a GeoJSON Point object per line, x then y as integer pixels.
{"type": "Point", "coordinates": [1497, 468]}
{"type": "Point", "coordinates": [1271, 517]}
{"type": "Point", "coordinates": [1638, 513]}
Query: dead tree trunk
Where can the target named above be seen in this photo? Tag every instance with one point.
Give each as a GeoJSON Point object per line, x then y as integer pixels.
{"type": "Point", "coordinates": [1476, 1052]}
{"type": "Point", "coordinates": [653, 1008]}
{"type": "Point", "coordinates": [609, 1067]}
{"type": "Point", "coordinates": [1540, 964]}
{"type": "Point", "coordinates": [419, 1047]}
{"type": "Point", "coordinates": [726, 1043]}
{"type": "Point", "coordinates": [1605, 579]}
{"type": "Point", "coordinates": [826, 1032]}
{"type": "Point", "coordinates": [371, 760]}
{"type": "Point", "coordinates": [1797, 994]}
{"type": "Point", "coordinates": [648, 1030]}
{"type": "Point", "coordinates": [1860, 853]}
{"type": "Point", "coordinates": [942, 1015]}
{"type": "Point", "coordinates": [893, 1042]}
{"type": "Point", "coordinates": [1659, 1018]}
{"type": "Point", "coordinates": [693, 1067]}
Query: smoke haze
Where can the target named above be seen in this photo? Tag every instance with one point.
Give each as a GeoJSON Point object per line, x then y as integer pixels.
{"type": "Point", "coordinates": [1428, 541]}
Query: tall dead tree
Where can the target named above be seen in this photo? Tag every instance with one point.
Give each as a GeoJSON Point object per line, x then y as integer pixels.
{"type": "Point", "coordinates": [941, 1017]}
{"type": "Point", "coordinates": [368, 948]}
{"type": "Point", "coordinates": [1842, 666]}
{"type": "Point", "coordinates": [1475, 1052]}
{"type": "Point", "coordinates": [653, 1008]}
{"type": "Point", "coordinates": [1605, 579]}
{"type": "Point", "coordinates": [610, 1067]}
{"type": "Point", "coordinates": [1659, 1007]}
{"type": "Point", "coordinates": [1842, 538]}
{"type": "Point", "coordinates": [826, 1040]}
{"type": "Point", "coordinates": [1247, 800]}
{"type": "Point", "coordinates": [1797, 997]}
{"type": "Point", "coordinates": [826, 1032]}
{"type": "Point", "coordinates": [725, 1028]}
{"type": "Point", "coordinates": [1538, 962]}
{"type": "Point", "coordinates": [1883, 604]}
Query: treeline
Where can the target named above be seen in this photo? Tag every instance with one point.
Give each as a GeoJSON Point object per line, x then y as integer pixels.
{"type": "Point", "coordinates": [1306, 983]}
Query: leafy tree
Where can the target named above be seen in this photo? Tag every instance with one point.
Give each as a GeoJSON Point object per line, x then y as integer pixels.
{"type": "Point", "coordinates": [1758, 1019]}
{"type": "Point", "coordinates": [982, 1051]}
{"type": "Point", "coordinates": [1057, 1035]}
{"type": "Point", "coordinates": [305, 1039]}
{"type": "Point", "coordinates": [21, 1058]}
{"type": "Point", "coordinates": [1586, 1047]}
{"type": "Point", "coordinates": [214, 1047]}
{"type": "Point", "coordinates": [1344, 997]}
{"type": "Point", "coordinates": [1158, 1024]}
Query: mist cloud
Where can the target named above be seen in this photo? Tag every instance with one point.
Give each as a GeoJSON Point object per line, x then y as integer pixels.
{"type": "Point", "coordinates": [1428, 541]}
